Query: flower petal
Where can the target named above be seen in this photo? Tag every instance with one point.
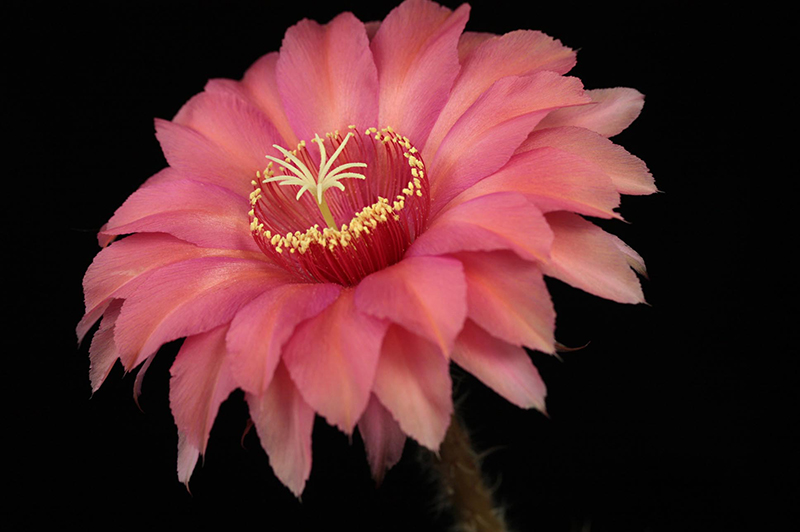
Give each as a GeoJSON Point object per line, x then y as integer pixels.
{"type": "Point", "coordinates": [383, 438]}
{"type": "Point", "coordinates": [201, 380]}
{"type": "Point", "coordinates": [103, 351]}
{"type": "Point", "coordinates": [628, 173]}
{"type": "Point", "coordinates": [326, 76]}
{"type": "Point", "coordinates": [507, 297]}
{"type": "Point", "coordinates": [187, 298]}
{"type": "Point", "coordinates": [284, 423]}
{"type": "Point", "coordinates": [415, 52]}
{"type": "Point", "coordinates": [413, 383]}
{"type": "Point", "coordinates": [486, 135]}
{"type": "Point", "coordinates": [260, 330]}
{"type": "Point", "coordinates": [200, 213]}
{"type": "Point", "coordinates": [586, 257]}
{"type": "Point", "coordinates": [519, 53]}
{"type": "Point", "coordinates": [505, 368]}
{"type": "Point", "coordinates": [503, 220]}
{"type": "Point", "coordinates": [120, 268]}
{"type": "Point", "coordinates": [613, 112]}
{"type": "Point", "coordinates": [426, 295]}
{"type": "Point", "coordinates": [553, 180]}
{"type": "Point", "coordinates": [332, 358]}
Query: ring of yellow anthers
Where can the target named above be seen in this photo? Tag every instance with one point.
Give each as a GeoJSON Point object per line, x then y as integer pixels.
{"type": "Point", "coordinates": [362, 222]}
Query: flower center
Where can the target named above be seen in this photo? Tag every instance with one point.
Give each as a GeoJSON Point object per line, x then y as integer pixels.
{"type": "Point", "coordinates": [367, 224]}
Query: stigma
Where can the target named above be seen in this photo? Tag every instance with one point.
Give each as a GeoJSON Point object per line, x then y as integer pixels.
{"type": "Point", "coordinates": [341, 233]}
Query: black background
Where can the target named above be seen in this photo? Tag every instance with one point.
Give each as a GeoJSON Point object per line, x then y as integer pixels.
{"type": "Point", "coordinates": [657, 425]}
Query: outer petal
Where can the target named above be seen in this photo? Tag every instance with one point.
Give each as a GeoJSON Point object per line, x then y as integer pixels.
{"type": "Point", "coordinates": [201, 381]}
{"type": "Point", "coordinates": [260, 87]}
{"type": "Point", "coordinates": [120, 268]}
{"type": "Point", "coordinates": [260, 330]}
{"type": "Point", "coordinates": [615, 110]}
{"type": "Point", "coordinates": [188, 298]}
{"type": "Point", "coordinates": [504, 220]}
{"type": "Point", "coordinates": [326, 76]}
{"type": "Point", "coordinates": [284, 423]}
{"type": "Point", "coordinates": [103, 351]}
{"type": "Point", "coordinates": [332, 358]}
{"type": "Point", "coordinates": [553, 180]}
{"type": "Point", "coordinates": [200, 213]}
{"type": "Point", "coordinates": [505, 368]}
{"type": "Point", "coordinates": [383, 438]}
{"type": "Point", "coordinates": [588, 258]}
{"type": "Point", "coordinates": [486, 135]}
{"type": "Point", "coordinates": [413, 382]}
{"type": "Point", "coordinates": [518, 53]}
{"type": "Point", "coordinates": [415, 51]}
{"type": "Point", "coordinates": [507, 296]}
{"type": "Point", "coordinates": [628, 173]}
{"type": "Point", "coordinates": [427, 295]}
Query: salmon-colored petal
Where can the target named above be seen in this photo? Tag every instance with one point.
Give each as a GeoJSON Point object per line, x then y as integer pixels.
{"type": "Point", "coordinates": [332, 358]}
{"type": "Point", "coordinates": [486, 135]}
{"type": "Point", "coordinates": [326, 77]}
{"type": "Point", "coordinates": [553, 180]}
{"type": "Point", "coordinates": [470, 41]}
{"type": "Point", "coordinates": [507, 296]}
{"type": "Point", "coordinates": [200, 213]}
{"type": "Point", "coordinates": [416, 54]}
{"type": "Point", "coordinates": [187, 298]}
{"type": "Point", "coordinates": [383, 438]}
{"type": "Point", "coordinates": [260, 330]}
{"type": "Point", "coordinates": [120, 268]}
{"type": "Point", "coordinates": [505, 368]}
{"type": "Point", "coordinates": [413, 383]}
{"type": "Point", "coordinates": [628, 173]}
{"type": "Point", "coordinates": [503, 220]}
{"type": "Point", "coordinates": [613, 111]}
{"type": "Point", "coordinates": [519, 53]}
{"type": "Point", "coordinates": [586, 257]}
{"type": "Point", "coordinates": [201, 380]}
{"type": "Point", "coordinates": [188, 455]}
{"type": "Point", "coordinates": [427, 295]}
{"type": "Point", "coordinates": [284, 423]}
{"type": "Point", "coordinates": [259, 86]}
{"type": "Point", "coordinates": [103, 351]}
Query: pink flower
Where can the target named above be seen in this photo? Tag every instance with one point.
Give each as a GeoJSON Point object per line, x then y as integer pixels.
{"type": "Point", "coordinates": [437, 177]}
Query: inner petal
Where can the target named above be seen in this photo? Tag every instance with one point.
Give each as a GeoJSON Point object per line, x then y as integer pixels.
{"type": "Point", "coordinates": [351, 220]}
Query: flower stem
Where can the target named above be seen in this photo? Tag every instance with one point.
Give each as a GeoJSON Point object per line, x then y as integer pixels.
{"type": "Point", "coordinates": [463, 483]}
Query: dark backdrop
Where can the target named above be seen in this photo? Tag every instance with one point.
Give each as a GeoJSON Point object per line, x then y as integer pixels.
{"type": "Point", "coordinates": [652, 427]}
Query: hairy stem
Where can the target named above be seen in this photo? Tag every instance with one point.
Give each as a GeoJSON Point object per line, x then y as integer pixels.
{"type": "Point", "coordinates": [463, 483]}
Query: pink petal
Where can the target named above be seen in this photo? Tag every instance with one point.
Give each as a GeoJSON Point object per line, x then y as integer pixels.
{"type": "Point", "coordinates": [486, 135]}
{"type": "Point", "coordinates": [103, 351]}
{"type": "Point", "coordinates": [426, 295]}
{"type": "Point", "coordinates": [519, 53]}
{"type": "Point", "coordinates": [553, 180]}
{"type": "Point", "coordinates": [201, 381]}
{"type": "Point", "coordinates": [415, 52]}
{"type": "Point", "coordinates": [284, 423]}
{"type": "Point", "coordinates": [507, 297]}
{"type": "Point", "coordinates": [413, 383]}
{"type": "Point", "coordinates": [187, 298]}
{"type": "Point", "coordinates": [383, 438]}
{"type": "Point", "coordinates": [469, 42]}
{"type": "Point", "coordinates": [200, 213]}
{"type": "Point", "coordinates": [326, 77]}
{"type": "Point", "coordinates": [586, 257]}
{"type": "Point", "coordinates": [263, 326]}
{"type": "Point", "coordinates": [503, 220]}
{"type": "Point", "coordinates": [260, 87]}
{"type": "Point", "coordinates": [120, 268]}
{"type": "Point", "coordinates": [614, 111]}
{"type": "Point", "coordinates": [332, 358]}
{"type": "Point", "coordinates": [628, 173]}
{"type": "Point", "coordinates": [505, 368]}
